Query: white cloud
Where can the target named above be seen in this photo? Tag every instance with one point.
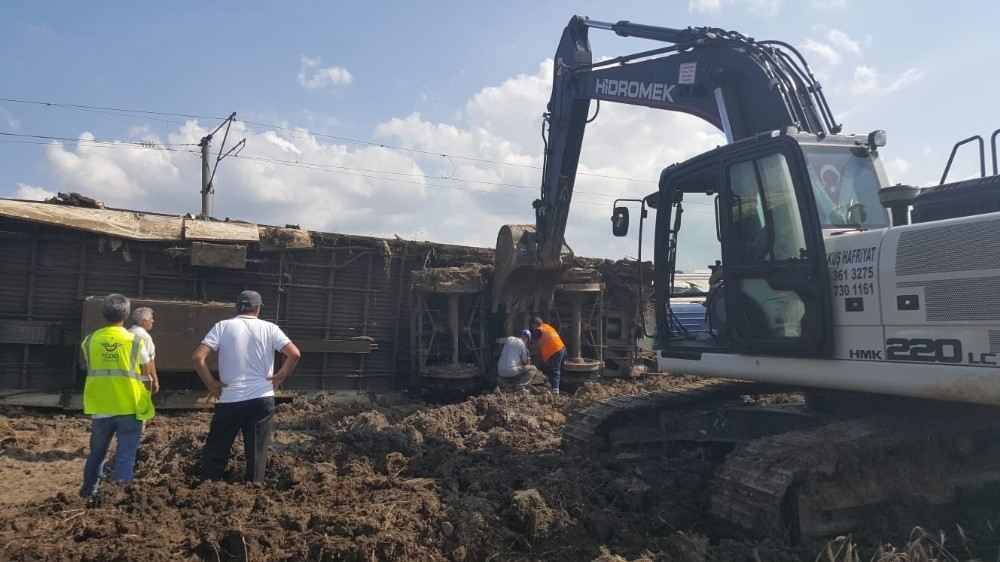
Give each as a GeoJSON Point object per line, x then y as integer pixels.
{"type": "Point", "coordinates": [32, 192]}
{"type": "Point", "coordinates": [762, 7]}
{"type": "Point", "coordinates": [121, 171]}
{"type": "Point", "coordinates": [869, 81]}
{"type": "Point", "coordinates": [824, 51]}
{"type": "Point", "coordinates": [829, 5]}
{"type": "Point", "coordinates": [897, 169]}
{"type": "Point", "coordinates": [830, 48]}
{"type": "Point", "coordinates": [369, 190]}
{"type": "Point", "coordinates": [13, 123]}
{"type": "Point", "coordinates": [765, 7]}
{"type": "Point", "coordinates": [710, 6]}
{"type": "Point", "coordinates": [844, 41]}
{"type": "Point", "coordinates": [313, 76]}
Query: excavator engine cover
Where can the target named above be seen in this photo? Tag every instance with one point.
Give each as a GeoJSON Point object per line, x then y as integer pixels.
{"type": "Point", "coordinates": [959, 199]}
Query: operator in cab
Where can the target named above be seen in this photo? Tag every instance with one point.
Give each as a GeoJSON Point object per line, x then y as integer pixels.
{"type": "Point", "coordinates": [715, 304]}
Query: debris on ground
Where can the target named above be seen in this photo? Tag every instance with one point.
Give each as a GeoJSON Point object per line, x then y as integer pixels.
{"type": "Point", "coordinates": [379, 479]}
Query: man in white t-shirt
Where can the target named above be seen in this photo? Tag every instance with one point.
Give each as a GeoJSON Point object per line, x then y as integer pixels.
{"type": "Point", "coordinates": [246, 346]}
{"type": "Point", "coordinates": [514, 369]}
{"type": "Point", "coordinates": [142, 323]}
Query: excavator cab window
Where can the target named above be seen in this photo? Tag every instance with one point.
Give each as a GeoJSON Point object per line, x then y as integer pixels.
{"type": "Point", "coordinates": [773, 253]}
{"type": "Point", "coordinates": [773, 298]}
{"type": "Point", "coordinates": [845, 186]}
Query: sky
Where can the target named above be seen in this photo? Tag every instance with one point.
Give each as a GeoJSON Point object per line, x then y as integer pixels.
{"type": "Point", "coordinates": [422, 119]}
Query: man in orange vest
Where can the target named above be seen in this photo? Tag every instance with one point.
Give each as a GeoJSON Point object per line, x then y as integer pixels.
{"type": "Point", "coordinates": [553, 351]}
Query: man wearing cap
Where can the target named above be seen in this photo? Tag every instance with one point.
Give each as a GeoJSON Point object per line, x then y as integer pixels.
{"type": "Point", "coordinates": [246, 346]}
{"type": "Point", "coordinates": [514, 370]}
{"type": "Point", "coordinates": [553, 351]}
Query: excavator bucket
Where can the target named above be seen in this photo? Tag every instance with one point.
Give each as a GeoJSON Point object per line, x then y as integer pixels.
{"type": "Point", "coordinates": [521, 280]}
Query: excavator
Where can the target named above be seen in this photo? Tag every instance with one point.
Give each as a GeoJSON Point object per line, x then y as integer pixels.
{"type": "Point", "coordinates": [879, 303]}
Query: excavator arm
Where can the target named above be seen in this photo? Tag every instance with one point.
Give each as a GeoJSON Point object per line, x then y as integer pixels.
{"type": "Point", "coordinates": [739, 85]}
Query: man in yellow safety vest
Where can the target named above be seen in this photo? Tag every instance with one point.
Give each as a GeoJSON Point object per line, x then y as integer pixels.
{"type": "Point", "coordinates": [114, 394]}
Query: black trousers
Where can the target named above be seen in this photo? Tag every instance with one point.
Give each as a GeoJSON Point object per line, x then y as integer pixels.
{"type": "Point", "coordinates": [255, 418]}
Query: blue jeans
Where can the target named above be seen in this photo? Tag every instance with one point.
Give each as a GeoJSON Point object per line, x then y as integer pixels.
{"type": "Point", "coordinates": [129, 431]}
{"type": "Point", "coordinates": [554, 366]}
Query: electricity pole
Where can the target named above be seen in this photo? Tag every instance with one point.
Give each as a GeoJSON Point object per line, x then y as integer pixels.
{"type": "Point", "coordinates": [206, 184]}
{"type": "Point", "coordinates": [207, 171]}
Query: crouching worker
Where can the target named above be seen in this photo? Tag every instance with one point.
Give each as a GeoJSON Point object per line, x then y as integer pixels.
{"type": "Point", "coordinates": [514, 370]}
{"type": "Point", "coordinates": [246, 346]}
{"type": "Point", "coordinates": [114, 394]}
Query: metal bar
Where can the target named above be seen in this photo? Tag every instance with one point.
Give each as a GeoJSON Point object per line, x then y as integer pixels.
{"type": "Point", "coordinates": [142, 272]}
{"type": "Point", "coordinates": [81, 281]}
{"type": "Point", "coordinates": [954, 150]}
{"type": "Point", "coordinates": [399, 308]}
{"type": "Point", "coordinates": [454, 327]}
{"type": "Point", "coordinates": [364, 320]}
{"type": "Point", "coordinates": [416, 332]}
{"type": "Point", "coordinates": [576, 326]}
{"type": "Point", "coordinates": [341, 266]}
{"type": "Point", "coordinates": [26, 353]}
{"type": "Point", "coordinates": [727, 127]}
{"type": "Point", "coordinates": [329, 312]}
{"type": "Point", "coordinates": [993, 149]}
{"type": "Point", "coordinates": [281, 274]}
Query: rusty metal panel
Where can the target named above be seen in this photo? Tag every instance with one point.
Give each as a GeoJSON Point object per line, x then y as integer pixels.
{"type": "Point", "coordinates": [180, 327]}
{"type": "Point", "coordinates": [14, 279]}
{"type": "Point", "coordinates": [229, 256]}
{"type": "Point", "coordinates": [13, 331]}
{"type": "Point", "coordinates": [341, 288]}
{"type": "Point", "coordinates": [356, 346]}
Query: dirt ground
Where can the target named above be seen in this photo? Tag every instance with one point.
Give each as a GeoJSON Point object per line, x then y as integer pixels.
{"type": "Point", "coordinates": [484, 479]}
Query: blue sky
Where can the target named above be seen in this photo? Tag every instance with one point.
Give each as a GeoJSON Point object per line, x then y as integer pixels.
{"type": "Point", "coordinates": [463, 78]}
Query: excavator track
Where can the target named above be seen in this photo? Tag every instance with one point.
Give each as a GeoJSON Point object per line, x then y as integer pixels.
{"type": "Point", "coordinates": [595, 427]}
{"type": "Point", "coordinates": [831, 479]}
{"type": "Point", "coordinates": [801, 475]}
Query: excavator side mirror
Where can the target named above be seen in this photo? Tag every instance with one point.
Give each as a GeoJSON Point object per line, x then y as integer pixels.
{"type": "Point", "coordinates": [619, 221]}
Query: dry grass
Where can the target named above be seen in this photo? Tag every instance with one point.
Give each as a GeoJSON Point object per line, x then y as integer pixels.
{"type": "Point", "coordinates": [922, 546]}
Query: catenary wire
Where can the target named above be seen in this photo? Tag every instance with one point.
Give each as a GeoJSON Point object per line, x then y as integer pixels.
{"type": "Point", "coordinates": [347, 170]}
{"type": "Point", "coordinates": [301, 132]}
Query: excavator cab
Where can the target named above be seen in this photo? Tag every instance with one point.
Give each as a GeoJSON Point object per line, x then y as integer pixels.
{"type": "Point", "coordinates": [775, 293]}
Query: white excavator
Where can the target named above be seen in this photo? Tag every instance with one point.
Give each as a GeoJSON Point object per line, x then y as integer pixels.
{"type": "Point", "coordinates": [881, 303]}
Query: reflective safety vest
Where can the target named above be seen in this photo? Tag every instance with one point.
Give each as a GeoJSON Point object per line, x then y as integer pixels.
{"type": "Point", "coordinates": [550, 342]}
{"type": "Point", "coordinates": [113, 386]}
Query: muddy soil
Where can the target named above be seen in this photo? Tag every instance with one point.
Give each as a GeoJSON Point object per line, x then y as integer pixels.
{"type": "Point", "coordinates": [483, 479]}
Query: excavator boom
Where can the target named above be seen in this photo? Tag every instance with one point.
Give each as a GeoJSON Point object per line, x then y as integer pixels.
{"type": "Point", "coordinates": [739, 85]}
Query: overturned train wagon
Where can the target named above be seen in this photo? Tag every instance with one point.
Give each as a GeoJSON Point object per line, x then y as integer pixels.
{"type": "Point", "coordinates": [345, 300]}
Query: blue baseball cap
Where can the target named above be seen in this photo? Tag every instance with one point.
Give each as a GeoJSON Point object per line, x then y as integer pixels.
{"type": "Point", "coordinates": [526, 334]}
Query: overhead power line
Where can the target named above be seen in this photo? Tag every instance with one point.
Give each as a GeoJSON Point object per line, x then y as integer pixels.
{"type": "Point", "coordinates": [16, 138]}
{"type": "Point", "coordinates": [106, 108]}
{"type": "Point", "coordinates": [139, 144]}
{"type": "Point", "coordinates": [302, 133]}
{"type": "Point", "coordinates": [326, 168]}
